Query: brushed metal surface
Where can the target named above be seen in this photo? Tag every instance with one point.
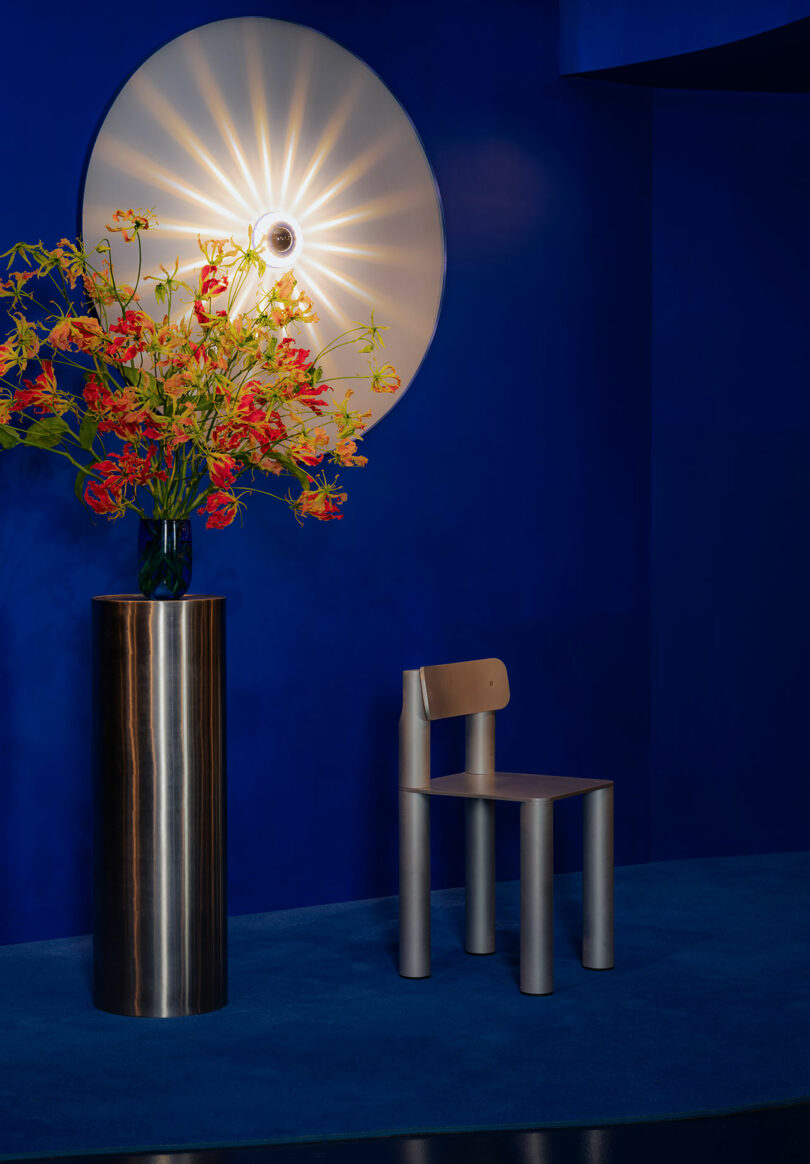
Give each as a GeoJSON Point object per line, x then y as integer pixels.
{"type": "Point", "coordinates": [520, 786]}
{"type": "Point", "coordinates": [479, 742]}
{"type": "Point", "coordinates": [597, 880]}
{"type": "Point", "coordinates": [160, 940]}
{"type": "Point", "coordinates": [414, 886]}
{"type": "Point", "coordinates": [479, 872]}
{"type": "Point", "coordinates": [464, 688]}
{"type": "Point", "coordinates": [537, 897]}
{"type": "Point", "coordinates": [479, 813]}
{"type": "Point", "coordinates": [414, 735]}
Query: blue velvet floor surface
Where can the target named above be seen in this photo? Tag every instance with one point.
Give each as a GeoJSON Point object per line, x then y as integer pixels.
{"type": "Point", "coordinates": [708, 1010]}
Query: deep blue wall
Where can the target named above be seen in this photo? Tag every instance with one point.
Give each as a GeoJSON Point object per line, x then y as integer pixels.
{"type": "Point", "coordinates": [730, 473]}
{"type": "Point", "coordinates": [504, 510]}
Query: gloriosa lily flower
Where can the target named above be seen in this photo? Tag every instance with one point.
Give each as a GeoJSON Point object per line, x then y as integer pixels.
{"type": "Point", "coordinates": [200, 400]}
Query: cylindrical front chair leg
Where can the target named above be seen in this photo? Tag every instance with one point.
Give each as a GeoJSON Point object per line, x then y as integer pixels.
{"type": "Point", "coordinates": [597, 880]}
{"type": "Point", "coordinates": [414, 885]}
{"type": "Point", "coordinates": [537, 897]}
{"type": "Point", "coordinates": [480, 921]}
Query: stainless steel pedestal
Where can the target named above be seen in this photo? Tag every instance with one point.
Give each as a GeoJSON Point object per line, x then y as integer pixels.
{"type": "Point", "coordinates": [160, 907]}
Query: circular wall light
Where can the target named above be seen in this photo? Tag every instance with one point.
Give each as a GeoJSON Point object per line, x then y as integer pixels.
{"type": "Point", "coordinates": [268, 131]}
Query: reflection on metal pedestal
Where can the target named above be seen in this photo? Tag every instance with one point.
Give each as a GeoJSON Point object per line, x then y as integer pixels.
{"type": "Point", "coordinates": [160, 941]}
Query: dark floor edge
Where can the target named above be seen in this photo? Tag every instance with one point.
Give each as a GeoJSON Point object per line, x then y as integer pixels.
{"type": "Point", "coordinates": [403, 1133]}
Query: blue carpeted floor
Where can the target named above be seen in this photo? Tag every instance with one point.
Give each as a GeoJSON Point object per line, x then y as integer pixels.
{"type": "Point", "coordinates": [708, 1010]}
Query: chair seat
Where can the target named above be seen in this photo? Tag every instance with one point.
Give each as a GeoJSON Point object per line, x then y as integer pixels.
{"type": "Point", "coordinates": [519, 786]}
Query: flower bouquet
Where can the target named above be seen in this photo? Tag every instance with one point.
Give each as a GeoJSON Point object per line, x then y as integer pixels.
{"type": "Point", "coordinates": [182, 414]}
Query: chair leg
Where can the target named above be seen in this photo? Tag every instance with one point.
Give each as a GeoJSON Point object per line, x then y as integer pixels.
{"type": "Point", "coordinates": [537, 897]}
{"type": "Point", "coordinates": [414, 885]}
{"type": "Point", "coordinates": [597, 880]}
{"type": "Point", "coordinates": [480, 898]}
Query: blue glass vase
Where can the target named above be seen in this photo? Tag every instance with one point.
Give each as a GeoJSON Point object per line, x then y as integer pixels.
{"type": "Point", "coordinates": [164, 557]}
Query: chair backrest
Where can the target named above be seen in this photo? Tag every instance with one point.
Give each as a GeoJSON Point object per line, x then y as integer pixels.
{"type": "Point", "coordinates": [450, 689]}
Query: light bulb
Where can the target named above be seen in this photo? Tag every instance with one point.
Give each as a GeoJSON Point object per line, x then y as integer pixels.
{"type": "Point", "coordinates": [278, 236]}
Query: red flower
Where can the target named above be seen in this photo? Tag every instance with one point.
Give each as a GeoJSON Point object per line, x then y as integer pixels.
{"type": "Point", "coordinates": [201, 314]}
{"type": "Point", "coordinates": [102, 497]}
{"type": "Point", "coordinates": [289, 356]}
{"type": "Point", "coordinates": [119, 471]}
{"type": "Point", "coordinates": [322, 504]}
{"type": "Point", "coordinates": [210, 284]}
{"type": "Point", "coordinates": [41, 393]}
{"type": "Point", "coordinates": [221, 510]}
{"type": "Point", "coordinates": [222, 472]}
{"type": "Point", "coordinates": [97, 394]}
{"type": "Point", "coordinates": [309, 395]}
{"type": "Point", "coordinates": [134, 326]}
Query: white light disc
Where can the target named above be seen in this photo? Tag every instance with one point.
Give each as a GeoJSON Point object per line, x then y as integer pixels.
{"type": "Point", "coordinates": [262, 124]}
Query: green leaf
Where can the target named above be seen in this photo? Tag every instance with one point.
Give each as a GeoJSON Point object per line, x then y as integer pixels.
{"type": "Point", "coordinates": [131, 375]}
{"type": "Point", "coordinates": [8, 437]}
{"type": "Point", "coordinates": [78, 487]}
{"type": "Point", "coordinates": [88, 430]}
{"type": "Point", "coordinates": [46, 433]}
{"type": "Point", "coordinates": [148, 383]}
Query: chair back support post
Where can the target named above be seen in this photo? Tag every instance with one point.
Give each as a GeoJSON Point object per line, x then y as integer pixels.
{"type": "Point", "coordinates": [414, 734]}
{"type": "Point", "coordinates": [479, 730]}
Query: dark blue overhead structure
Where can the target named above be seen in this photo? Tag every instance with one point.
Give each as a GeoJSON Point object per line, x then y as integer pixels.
{"type": "Point", "coordinates": [612, 34]}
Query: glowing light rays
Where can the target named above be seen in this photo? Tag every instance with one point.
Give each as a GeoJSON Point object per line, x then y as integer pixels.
{"type": "Point", "coordinates": [170, 120]}
{"type": "Point", "coordinates": [256, 86]}
{"type": "Point", "coordinates": [389, 204]}
{"type": "Point", "coordinates": [212, 96]}
{"type": "Point", "coordinates": [379, 254]}
{"type": "Point", "coordinates": [353, 172]}
{"type": "Point", "coordinates": [370, 296]}
{"type": "Point", "coordinates": [320, 295]}
{"type": "Point", "coordinates": [295, 119]}
{"type": "Point", "coordinates": [330, 136]}
{"type": "Point", "coordinates": [129, 161]}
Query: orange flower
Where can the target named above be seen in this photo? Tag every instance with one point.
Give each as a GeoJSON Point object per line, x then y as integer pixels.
{"type": "Point", "coordinates": [77, 331]}
{"type": "Point", "coordinates": [8, 358]}
{"type": "Point", "coordinates": [308, 449]}
{"type": "Point", "coordinates": [385, 379]}
{"type": "Point", "coordinates": [344, 454]}
{"type": "Point", "coordinates": [129, 222]}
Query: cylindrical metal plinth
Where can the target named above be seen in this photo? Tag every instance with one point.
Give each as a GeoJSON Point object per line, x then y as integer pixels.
{"type": "Point", "coordinates": [160, 908]}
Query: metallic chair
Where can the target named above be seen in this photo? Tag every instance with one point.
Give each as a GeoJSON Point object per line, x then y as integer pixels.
{"type": "Point", "coordinates": [477, 690]}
